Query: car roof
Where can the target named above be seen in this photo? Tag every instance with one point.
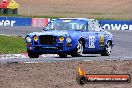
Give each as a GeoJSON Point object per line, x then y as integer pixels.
{"type": "Point", "coordinates": [77, 19]}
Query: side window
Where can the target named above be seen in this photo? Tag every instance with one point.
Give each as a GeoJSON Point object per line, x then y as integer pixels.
{"type": "Point", "coordinates": [90, 26]}
{"type": "Point", "coordinates": [94, 25]}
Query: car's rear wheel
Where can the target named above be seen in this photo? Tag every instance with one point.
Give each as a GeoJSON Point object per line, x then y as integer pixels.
{"type": "Point", "coordinates": [62, 55]}
{"type": "Point", "coordinates": [107, 50]}
{"type": "Point", "coordinates": [78, 50]}
{"type": "Point", "coordinates": [32, 55]}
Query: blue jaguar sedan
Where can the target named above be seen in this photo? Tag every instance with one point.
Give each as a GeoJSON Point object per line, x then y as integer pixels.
{"type": "Point", "coordinates": [70, 36]}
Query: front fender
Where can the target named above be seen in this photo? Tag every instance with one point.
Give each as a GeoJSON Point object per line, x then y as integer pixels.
{"type": "Point", "coordinates": [110, 38]}
{"type": "Point", "coordinates": [75, 40]}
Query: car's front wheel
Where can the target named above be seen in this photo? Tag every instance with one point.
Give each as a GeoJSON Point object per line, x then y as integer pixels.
{"type": "Point", "coordinates": [107, 50]}
{"type": "Point", "coordinates": [32, 55]}
{"type": "Point", "coordinates": [78, 50]}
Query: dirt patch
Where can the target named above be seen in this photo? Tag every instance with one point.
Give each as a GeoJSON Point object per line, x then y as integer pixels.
{"type": "Point", "coordinates": [77, 8]}
{"type": "Point", "coordinates": [59, 74]}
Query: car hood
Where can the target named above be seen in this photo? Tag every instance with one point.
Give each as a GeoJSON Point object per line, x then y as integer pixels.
{"type": "Point", "coordinates": [57, 33]}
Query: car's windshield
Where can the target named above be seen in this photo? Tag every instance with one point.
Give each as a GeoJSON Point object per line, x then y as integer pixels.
{"type": "Point", "coordinates": [67, 24]}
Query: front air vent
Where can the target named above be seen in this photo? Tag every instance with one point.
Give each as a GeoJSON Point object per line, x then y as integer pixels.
{"type": "Point", "coordinates": [47, 40]}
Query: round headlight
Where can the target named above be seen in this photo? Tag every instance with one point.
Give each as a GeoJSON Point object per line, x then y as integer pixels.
{"type": "Point", "coordinates": [61, 38]}
{"type": "Point", "coordinates": [68, 40]}
{"type": "Point", "coordinates": [35, 38]}
{"type": "Point", "coordinates": [28, 39]}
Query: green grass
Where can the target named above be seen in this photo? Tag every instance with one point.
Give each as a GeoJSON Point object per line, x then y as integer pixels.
{"type": "Point", "coordinates": [11, 44]}
{"type": "Point", "coordinates": [112, 18]}
{"type": "Point", "coordinates": [104, 18]}
{"type": "Point", "coordinates": [15, 15]}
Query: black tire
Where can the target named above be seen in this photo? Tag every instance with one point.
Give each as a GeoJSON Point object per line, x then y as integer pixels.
{"type": "Point", "coordinates": [62, 55]}
{"type": "Point", "coordinates": [107, 50]}
{"type": "Point", "coordinates": [78, 50]}
{"type": "Point", "coordinates": [15, 11]}
{"type": "Point", "coordinates": [1, 11]}
{"type": "Point", "coordinates": [5, 11]}
{"type": "Point", "coordinates": [32, 55]}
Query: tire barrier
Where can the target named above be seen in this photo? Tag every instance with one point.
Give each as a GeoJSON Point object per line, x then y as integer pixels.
{"type": "Point", "coordinates": [39, 22]}
{"type": "Point", "coordinates": [117, 24]}
{"type": "Point", "coordinates": [15, 21]}
{"type": "Point", "coordinates": [42, 22]}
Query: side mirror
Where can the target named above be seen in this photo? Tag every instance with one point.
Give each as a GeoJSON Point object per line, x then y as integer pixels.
{"type": "Point", "coordinates": [44, 29]}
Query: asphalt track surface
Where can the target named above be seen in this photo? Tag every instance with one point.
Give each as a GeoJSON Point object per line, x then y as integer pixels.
{"type": "Point", "coordinates": [122, 49]}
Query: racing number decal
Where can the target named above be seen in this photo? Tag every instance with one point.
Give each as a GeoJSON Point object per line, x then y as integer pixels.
{"type": "Point", "coordinates": [91, 42]}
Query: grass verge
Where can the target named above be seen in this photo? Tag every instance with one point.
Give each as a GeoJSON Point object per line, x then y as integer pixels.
{"type": "Point", "coordinates": [97, 16]}
{"type": "Point", "coordinates": [11, 45]}
{"type": "Point", "coordinates": [15, 15]}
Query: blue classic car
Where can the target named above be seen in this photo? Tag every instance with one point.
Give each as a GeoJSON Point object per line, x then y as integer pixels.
{"type": "Point", "coordinates": [70, 36]}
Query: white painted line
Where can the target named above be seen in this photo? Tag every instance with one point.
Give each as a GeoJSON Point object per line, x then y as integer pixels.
{"type": "Point", "coordinates": [87, 60]}
{"type": "Point", "coordinates": [30, 62]}
{"type": "Point", "coordinates": [24, 55]}
{"type": "Point", "coordinates": [5, 34]}
{"type": "Point", "coordinates": [49, 55]}
{"type": "Point", "coordinates": [8, 56]}
{"type": "Point", "coordinates": [11, 35]}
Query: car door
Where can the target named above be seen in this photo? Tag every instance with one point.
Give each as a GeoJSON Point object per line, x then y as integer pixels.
{"type": "Point", "coordinates": [100, 33]}
{"type": "Point", "coordinates": [92, 40]}
{"type": "Point", "coordinates": [93, 37]}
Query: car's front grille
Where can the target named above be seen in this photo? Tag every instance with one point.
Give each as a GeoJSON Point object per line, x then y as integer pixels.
{"type": "Point", "coordinates": [47, 40]}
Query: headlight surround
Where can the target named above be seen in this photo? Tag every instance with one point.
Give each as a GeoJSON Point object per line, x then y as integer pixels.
{"type": "Point", "coordinates": [35, 38]}
{"type": "Point", "coordinates": [61, 38]}
{"type": "Point", "coordinates": [68, 40]}
{"type": "Point", "coordinates": [28, 39]}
